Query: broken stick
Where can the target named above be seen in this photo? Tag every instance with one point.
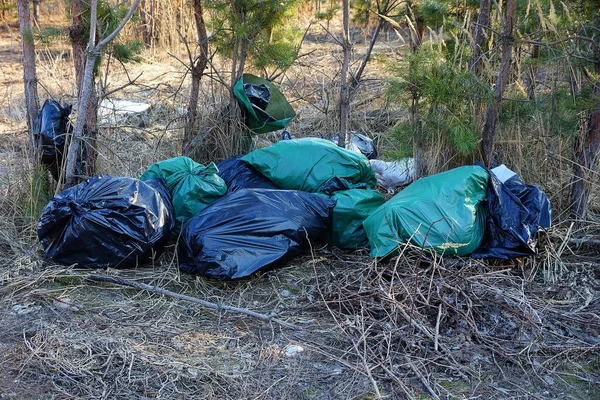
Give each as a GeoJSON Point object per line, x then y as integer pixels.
{"type": "Point", "coordinates": [204, 303]}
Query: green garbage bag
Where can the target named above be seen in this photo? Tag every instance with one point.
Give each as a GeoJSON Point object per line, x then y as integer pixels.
{"type": "Point", "coordinates": [444, 212]}
{"type": "Point", "coordinates": [265, 107]}
{"type": "Point", "coordinates": [307, 164]}
{"type": "Point", "coordinates": [193, 186]}
{"type": "Point", "coordinates": [352, 208]}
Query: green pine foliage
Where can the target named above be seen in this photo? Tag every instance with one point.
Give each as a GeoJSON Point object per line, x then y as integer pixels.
{"type": "Point", "coordinates": [264, 27]}
{"type": "Point", "coordinates": [109, 18]}
{"type": "Point", "coordinates": [448, 99]}
{"type": "Point", "coordinates": [127, 51]}
{"type": "Point", "coordinates": [363, 12]}
{"type": "Point", "coordinates": [329, 12]}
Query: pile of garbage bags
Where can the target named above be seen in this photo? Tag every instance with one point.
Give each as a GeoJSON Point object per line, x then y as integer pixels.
{"type": "Point", "coordinates": [253, 213]}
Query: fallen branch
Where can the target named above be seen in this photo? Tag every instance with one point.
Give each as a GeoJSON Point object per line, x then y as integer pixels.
{"type": "Point", "coordinates": [204, 303]}
{"type": "Point", "coordinates": [585, 241]}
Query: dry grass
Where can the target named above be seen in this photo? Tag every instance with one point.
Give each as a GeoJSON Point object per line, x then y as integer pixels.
{"type": "Point", "coordinates": [420, 326]}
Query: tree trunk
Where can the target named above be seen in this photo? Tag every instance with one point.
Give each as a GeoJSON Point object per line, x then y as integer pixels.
{"type": "Point", "coordinates": [36, 12]}
{"type": "Point", "coordinates": [587, 151]}
{"type": "Point", "coordinates": [491, 116]}
{"type": "Point", "coordinates": [87, 97]}
{"type": "Point", "coordinates": [419, 141]}
{"type": "Point", "coordinates": [85, 159]}
{"type": "Point", "coordinates": [146, 36]}
{"type": "Point", "coordinates": [197, 72]}
{"type": "Point", "coordinates": [356, 79]}
{"type": "Point", "coordinates": [344, 90]}
{"type": "Point", "coordinates": [416, 38]}
{"type": "Point", "coordinates": [32, 103]}
{"type": "Point", "coordinates": [479, 36]}
{"type": "Point", "coordinates": [532, 73]}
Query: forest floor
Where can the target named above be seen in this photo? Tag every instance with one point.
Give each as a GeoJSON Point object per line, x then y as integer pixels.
{"type": "Point", "coordinates": [417, 326]}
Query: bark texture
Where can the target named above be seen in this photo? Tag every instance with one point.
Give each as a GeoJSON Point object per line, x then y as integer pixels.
{"type": "Point", "coordinates": [344, 89]}
{"type": "Point", "coordinates": [491, 115]}
{"type": "Point", "coordinates": [32, 103]}
{"type": "Point", "coordinates": [79, 161]}
{"type": "Point", "coordinates": [197, 72]}
{"type": "Point", "coordinates": [479, 36]}
{"type": "Point", "coordinates": [587, 151]}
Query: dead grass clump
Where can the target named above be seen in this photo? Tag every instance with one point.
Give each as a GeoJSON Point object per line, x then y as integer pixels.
{"type": "Point", "coordinates": [459, 328]}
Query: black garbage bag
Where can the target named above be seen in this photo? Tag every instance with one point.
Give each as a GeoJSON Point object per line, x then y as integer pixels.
{"type": "Point", "coordinates": [107, 222]}
{"type": "Point", "coordinates": [286, 135]}
{"type": "Point", "coordinates": [516, 213]}
{"type": "Point", "coordinates": [259, 95]}
{"type": "Point", "coordinates": [239, 175]}
{"type": "Point", "coordinates": [50, 134]}
{"type": "Point", "coordinates": [252, 230]}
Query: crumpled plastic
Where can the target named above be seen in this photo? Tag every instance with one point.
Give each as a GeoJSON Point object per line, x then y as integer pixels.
{"type": "Point", "coordinates": [252, 230]}
{"type": "Point", "coordinates": [107, 222]}
{"type": "Point", "coordinates": [50, 135]}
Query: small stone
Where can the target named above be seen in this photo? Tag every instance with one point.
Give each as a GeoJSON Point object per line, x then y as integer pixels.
{"type": "Point", "coordinates": [293, 350]}
{"type": "Point", "coordinates": [286, 293]}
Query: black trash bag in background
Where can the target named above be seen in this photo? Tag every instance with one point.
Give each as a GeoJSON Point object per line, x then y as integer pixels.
{"type": "Point", "coordinates": [50, 134]}
{"type": "Point", "coordinates": [252, 230]}
{"type": "Point", "coordinates": [107, 222]}
{"type": "Point", "coordinates": [259, 95]}
{"type": "Point", "coordinates": [239, 175]}
{"type": "Point", "coordinates": [516, 213]}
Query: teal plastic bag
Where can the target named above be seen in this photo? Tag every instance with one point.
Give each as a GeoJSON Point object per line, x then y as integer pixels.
{"type": "Point", "coordinates": [352, 208]}
{"type": "Point", "coordinates": [307, 164]}
{"type": "Point", "coordinates": [193, 186]}
{"type": "Point", "coordinates": [445, 212]}
{"type": "Point", "coordinates": [277, 113]}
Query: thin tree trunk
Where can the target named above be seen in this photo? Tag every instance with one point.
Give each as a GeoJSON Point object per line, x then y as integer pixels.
{"type": "Point", "coordinates": [32, 103]}
{"type": "Point", "coordinates": [419, 140]}
{"type": "Point", "coordinates": [491, 116]}
{"type": "Point", "coordinates": [479, 36]}
{"type": "Point", "coordinates": [197, 72]}
{"type": "Point", "coordinates": [356, 79]}
{"type": "Point", "coordinates": [416, 38]}
{"type": "Point", "coordinates": [532, 73]}
{"type": "Point", "coordinates": [86, 158]}
{"type": "Point", "coordinates": [36, 12]}
{"type": "Point", "coordinates": [587, 151]}
{"type": "Point", "coordinates": [145, 24]}
{"type": "Point", "coordinates": [344, 90]}
{"type": "Point", "coordinates": [87, 97]}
